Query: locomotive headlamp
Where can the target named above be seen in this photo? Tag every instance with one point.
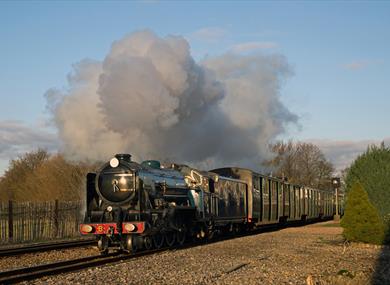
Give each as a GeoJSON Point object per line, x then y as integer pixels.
{"type": "Point", "coordinates": [86, 228]}
{"type": "Point", "coordinates": [129, 227]}
{"type": "Point", "coordinates": [114, 162]}
{"type": "Point", "coordinates": [109, 208]}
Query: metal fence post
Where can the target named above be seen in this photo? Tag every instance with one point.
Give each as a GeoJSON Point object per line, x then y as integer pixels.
{"type": "Point", "coordinates": [56, 230]}
{"type": "Point", "coordinates": [10, 221]}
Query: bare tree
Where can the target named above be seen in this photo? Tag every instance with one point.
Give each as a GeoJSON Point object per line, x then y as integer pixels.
{"type": "Point", "coordinates": [302, 163]}
{"type": "Point", "coordinates": [12, 182]}
{"type": "Point", "coordinates": [37, 176]}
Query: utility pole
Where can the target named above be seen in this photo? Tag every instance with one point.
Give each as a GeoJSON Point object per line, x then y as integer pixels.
{"type": "Point", "coordinates": [336, 186]}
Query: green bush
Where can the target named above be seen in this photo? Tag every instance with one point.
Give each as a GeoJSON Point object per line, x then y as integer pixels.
{"type": "Point", "coordinates": [361, 221]}
{"type": "Point", "coordinates": [372, 170]}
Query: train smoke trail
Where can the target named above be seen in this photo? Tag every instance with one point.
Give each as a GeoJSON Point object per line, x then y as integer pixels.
{"type": "Point", "coordinates": [151, 99]}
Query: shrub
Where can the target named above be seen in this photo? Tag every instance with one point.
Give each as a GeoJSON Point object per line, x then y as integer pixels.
{"type": "Point", "coordinates": [361, 221]}
{"type": "Point", "coordinates": [38, 176]}
{"type": "Point", "coordinates": [372, 170]}
{"type": "Point", "coordinates": [13, 181]}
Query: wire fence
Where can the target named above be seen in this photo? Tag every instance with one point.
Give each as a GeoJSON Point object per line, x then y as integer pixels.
{"type": "Point", "coordinates": [39, 221]}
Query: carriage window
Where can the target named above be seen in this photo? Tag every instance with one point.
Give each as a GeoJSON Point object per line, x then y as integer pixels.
{"type": "Point", "coordinates": [256, 183]}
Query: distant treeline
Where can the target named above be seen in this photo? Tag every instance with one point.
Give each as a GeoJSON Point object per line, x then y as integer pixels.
{"type": "Point", "coordinates": [39, 176]}
{"type": "Point", "coordinates": [301, 163]}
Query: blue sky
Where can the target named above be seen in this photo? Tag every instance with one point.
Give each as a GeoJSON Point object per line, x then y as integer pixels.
{"type": "Point", "coordinates": [338, 51]}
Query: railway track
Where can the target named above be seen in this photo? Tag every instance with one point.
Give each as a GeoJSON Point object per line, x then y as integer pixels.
{"type": "Point", "coordinates": [45, 247]}
{"type": "Point", "coordinates": [29, 273]}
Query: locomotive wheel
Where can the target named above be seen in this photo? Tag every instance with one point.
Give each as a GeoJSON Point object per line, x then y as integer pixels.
{"type": "Point", "coordinates": [170, 238]}
{"type": "Point", "coordinates": [131, 245]}
{"type": "Point", "coordinates": [148, 242]}
{"type": "Point", "coordinates": [236, 230]}
{"type": "Point", "coordinates": [202, 234]}
{"type": "Point", "coordinates": [210, 231]}
{"type": "Point", "coordinates": [211, 234]}
{"type": "Point", "coordinates": [158, 240]}
{"type": "Point", "coordinates": [181, 237]}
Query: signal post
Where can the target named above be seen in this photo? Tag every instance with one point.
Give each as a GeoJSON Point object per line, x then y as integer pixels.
{"type": "Point", "coordinates": [336, 186]}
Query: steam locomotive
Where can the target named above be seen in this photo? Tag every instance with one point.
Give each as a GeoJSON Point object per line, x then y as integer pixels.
{"type": "Point", "coordinates": [133, 206]}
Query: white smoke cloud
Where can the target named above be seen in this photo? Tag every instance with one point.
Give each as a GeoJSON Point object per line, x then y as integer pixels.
{"type": "Point", "coordinates": [151, 99]}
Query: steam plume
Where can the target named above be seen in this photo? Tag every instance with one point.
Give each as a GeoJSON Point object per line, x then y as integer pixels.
{"type": "Point", "coordinates": [151, 99]}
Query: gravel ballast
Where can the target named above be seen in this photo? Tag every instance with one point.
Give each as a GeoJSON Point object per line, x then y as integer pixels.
{"type": "Point", "coordinates": [314, 254]}
{"type": "Point", "coordinates": [37, 258]}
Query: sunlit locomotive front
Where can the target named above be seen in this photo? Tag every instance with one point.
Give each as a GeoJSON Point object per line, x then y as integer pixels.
{"type": "Point", "coordinates": [132, 206]}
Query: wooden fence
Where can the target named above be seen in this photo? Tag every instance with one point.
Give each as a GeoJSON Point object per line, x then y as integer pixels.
{"type": "Point", "coordinates": [39, 221]}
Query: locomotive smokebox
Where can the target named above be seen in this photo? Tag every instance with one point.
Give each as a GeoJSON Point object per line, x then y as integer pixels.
{"type": "Point", "coordinates": [123, 156]}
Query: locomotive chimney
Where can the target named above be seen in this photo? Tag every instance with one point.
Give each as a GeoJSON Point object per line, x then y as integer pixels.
{"type": "Point", "coordinates": [124, 156]}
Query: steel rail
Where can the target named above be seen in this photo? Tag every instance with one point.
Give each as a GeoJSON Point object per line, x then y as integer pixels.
{"type": "Point", "coordinates": [44, 247]}
{"type": "Point", "coordinates": [29, 273]}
